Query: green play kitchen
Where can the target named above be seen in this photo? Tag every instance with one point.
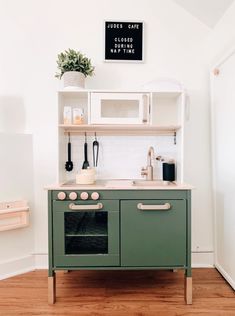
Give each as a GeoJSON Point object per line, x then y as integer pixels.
{"type": "Point", "coordinates": [128, 223]}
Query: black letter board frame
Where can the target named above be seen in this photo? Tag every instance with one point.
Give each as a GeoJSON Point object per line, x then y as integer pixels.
{"type": "Point", "coordinates": [139, 59]}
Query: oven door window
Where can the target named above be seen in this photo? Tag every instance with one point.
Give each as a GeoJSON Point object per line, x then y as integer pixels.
{"type": "Point", "coordinates": [86, 232]}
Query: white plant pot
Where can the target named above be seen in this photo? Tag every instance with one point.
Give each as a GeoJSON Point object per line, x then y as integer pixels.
{"type": "Point", "coordinates": [74, 79]}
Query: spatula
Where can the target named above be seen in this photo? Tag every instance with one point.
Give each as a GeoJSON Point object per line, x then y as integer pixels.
{"type": "Point", "coordinates": [69, 163]}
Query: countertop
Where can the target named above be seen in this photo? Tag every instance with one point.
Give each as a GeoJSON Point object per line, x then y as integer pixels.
{"type": "Point", "coordinates": [121, 184]}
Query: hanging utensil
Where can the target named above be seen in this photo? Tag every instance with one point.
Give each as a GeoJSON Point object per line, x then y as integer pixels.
{"type": "Point", "coordinates": [85, 163]}
{"type": "Point", "coordinates": [69, 163]}
{"type": "Point", "coordinates": [95, 151]}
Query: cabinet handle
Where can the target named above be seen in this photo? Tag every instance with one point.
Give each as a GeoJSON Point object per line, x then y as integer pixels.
{"type": "Point", "coordinates": [143, 207]}
{"type": "Point", "coordinates": [75, 207]}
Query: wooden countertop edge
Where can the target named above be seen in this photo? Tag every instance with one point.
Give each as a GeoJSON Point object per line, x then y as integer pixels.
{"type": "Point", "coordinates": [96, 187]}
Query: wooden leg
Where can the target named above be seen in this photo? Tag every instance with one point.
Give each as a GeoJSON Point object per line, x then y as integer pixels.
{"type": "Point", "coordinates": [188, 290]}
{"type": "Point", "coordinates": [51, 289]}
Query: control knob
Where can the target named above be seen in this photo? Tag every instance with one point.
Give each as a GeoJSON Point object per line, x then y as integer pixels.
{"type": "Point", "coordinates": [73, 196]}
{"type": "Point", "coordinates": [95, 196]}
{"type": "Point", "coordinates": [84, 196]}
{"type": "Point", "coordinates": [61, 196]}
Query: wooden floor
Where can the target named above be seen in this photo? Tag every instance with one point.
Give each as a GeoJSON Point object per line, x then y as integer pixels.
{"type": "Point", "coordinates": [149, 293]}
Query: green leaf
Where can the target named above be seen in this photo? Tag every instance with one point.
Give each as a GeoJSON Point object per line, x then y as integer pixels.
{"type": "Point", "coordinates": [71, 60]}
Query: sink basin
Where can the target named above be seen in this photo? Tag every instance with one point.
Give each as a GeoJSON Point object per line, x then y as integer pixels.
{"type": "Point", "coordinates": [146, 183]}
{"type": "Point", "coordinates": [137, 183]}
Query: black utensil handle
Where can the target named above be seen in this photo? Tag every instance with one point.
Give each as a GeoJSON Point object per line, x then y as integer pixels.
{"type": "Point", "coordinates": [69, 151]}
{"type": "Point", "coordinates": [94, 154]}
{"type": "Point", "coordinates": [85, 152]}
{"type": "Point", "coordinates": [97, 154]}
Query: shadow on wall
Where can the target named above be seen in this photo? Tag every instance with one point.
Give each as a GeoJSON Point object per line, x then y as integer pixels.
{"type": "Point", "coordinates": [12, 114]}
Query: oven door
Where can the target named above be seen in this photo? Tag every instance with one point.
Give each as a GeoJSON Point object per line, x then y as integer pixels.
{"type": "Point", "coordinates": [86, 233]}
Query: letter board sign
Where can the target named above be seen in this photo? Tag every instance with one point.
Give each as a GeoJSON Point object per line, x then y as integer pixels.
{"type": "Point", "coordinates": [124, 41]}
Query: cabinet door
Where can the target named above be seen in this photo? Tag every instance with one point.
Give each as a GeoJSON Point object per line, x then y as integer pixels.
{"type": "Point", "coordinates": [86, 237]}
{"type": "Point", "coordinates": [151, 236]}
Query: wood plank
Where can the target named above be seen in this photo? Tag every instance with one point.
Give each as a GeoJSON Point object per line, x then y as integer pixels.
{"type": "Point", "coordinates": [121, 129]}
{"type": "Point", "coordinates": [52, 289]}
{"type": "Point", "coordinates": [188, 290]}
{"type": "Point", "coordinates": [119, 293]}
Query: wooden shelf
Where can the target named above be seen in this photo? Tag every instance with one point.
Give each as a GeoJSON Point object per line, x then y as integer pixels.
{"type": "Point", "coordinates": [121, 129]}
{"type": "Point", "coordinates": [86, 91]}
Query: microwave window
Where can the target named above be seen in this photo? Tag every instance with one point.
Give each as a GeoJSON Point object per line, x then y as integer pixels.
{"type": "Point", "coordinates": [120, 108]}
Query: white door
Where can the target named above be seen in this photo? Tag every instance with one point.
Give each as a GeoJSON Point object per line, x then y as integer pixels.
{"type": "Point", "coordinates": [223, 155]}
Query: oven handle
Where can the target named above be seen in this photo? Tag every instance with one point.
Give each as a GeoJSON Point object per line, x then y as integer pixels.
{"type": "Point", "coordinates": [75, 207]}
{"type": "Point", "coordinates": [158, 207]}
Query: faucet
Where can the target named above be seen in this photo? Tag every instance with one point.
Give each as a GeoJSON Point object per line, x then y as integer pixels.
{"type": "Point", "coordinates": [148, 171]}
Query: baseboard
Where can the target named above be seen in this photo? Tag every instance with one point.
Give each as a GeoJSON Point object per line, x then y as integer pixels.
{"type": "Point", "coordinates": [225, 275]}
{"type": "Point", "coordinates": [202, 259]}
{"type": "Point", "coordinates": [17, 266]}
{"type": "Point", "coordinates": [40, 261]}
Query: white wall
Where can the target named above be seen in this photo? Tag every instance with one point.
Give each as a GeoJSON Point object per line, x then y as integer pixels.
{"type": "Point", "coordinates": [222, 38]}
{"type": "Point", "coordinates": [33, 32]}
{"type": "Point", "coordinates": [16, 178]}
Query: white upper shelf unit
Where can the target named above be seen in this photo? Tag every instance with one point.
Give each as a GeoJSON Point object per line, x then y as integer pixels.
{"type": "Point", "coordinates": [155, 109]}
{"type": "Point", "coordinates": [131, 112]}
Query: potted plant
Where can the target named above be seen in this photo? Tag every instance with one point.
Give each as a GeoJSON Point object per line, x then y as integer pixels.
{"type": "Point", "coordinates": [74, 67]}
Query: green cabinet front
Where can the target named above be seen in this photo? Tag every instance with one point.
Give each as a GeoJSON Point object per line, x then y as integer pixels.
{"type": "Point", "coordinates": [153, 238]}
{"type": "Point", "coordinates": [86, 237]}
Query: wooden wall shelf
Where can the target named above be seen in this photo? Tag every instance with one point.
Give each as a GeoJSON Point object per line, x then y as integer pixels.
{"type": "Point", "coordinates": [121, 129]}
{"type": "Point", "coordinates": [14, 215]}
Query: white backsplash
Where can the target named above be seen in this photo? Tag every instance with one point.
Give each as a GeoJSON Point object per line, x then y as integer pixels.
{"type": "Point", "coordinates": [121, 157]}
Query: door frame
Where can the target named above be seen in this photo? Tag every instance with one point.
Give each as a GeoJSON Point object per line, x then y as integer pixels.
{"type": "Point", "coordinates": [214, 71]}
